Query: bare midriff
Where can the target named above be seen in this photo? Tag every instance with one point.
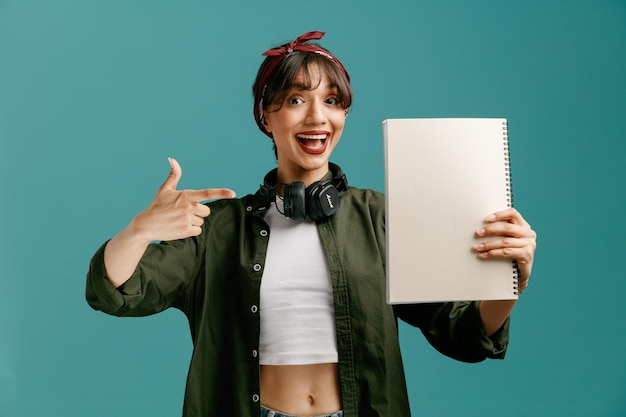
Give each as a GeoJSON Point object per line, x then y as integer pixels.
{"type": "Point", "coordinates": [302, 390]}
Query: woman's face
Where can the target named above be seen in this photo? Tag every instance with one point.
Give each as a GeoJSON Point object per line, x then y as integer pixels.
{"type": "Point", "coordinates": [306, 128]}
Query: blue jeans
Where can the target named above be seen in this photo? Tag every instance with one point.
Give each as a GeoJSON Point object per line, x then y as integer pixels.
{"type": "Point", "coordinates": [267, 412]}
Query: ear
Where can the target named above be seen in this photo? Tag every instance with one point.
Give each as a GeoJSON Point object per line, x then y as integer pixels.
{"type": "Point", "coordinates": [266, 123]}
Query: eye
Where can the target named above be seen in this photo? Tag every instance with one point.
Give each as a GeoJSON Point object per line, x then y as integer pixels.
{"type": "Point", "coordinates": [294, 100]}
{"type": "Point", "coordinates": [332, 101]}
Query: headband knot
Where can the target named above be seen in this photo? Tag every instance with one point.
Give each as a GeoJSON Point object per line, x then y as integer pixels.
{"type": "Point", "coordinates": [297, 45]}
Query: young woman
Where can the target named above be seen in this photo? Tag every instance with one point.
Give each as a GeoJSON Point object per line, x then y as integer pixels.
{"type": "Point", "coordinates": [284, 289]}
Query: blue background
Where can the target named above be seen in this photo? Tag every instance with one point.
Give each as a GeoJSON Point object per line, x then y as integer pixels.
{"type": "Point", "coordinates": [95, 95]}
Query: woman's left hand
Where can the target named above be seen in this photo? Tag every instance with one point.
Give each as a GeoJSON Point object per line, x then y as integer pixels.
{"type": "Point", "coordinates": [513, 238]}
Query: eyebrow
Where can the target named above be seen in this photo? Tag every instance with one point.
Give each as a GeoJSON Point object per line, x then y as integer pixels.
{"type": "Point", "coordinates": [304, 87]}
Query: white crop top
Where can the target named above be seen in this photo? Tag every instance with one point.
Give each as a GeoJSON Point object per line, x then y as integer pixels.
{"type": "Point", "coordinates": [296, 306]}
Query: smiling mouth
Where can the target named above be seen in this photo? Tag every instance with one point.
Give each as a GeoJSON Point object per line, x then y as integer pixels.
{"type": "Point", "coordinates": [313, 142]}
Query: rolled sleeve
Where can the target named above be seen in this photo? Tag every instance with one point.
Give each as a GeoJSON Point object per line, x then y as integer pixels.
{"type": "Point", "coordinates": [159, 281]}
{"type": "Point", "coordinates": [100, 293]}
{"type": "Point", "coordinates": [456, 330]}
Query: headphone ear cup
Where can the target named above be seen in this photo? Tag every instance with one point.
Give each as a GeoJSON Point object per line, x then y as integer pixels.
{"type": "Point", "coordinates": [294, 199]}
{"type": "Point", "coordinates": [322, 199]}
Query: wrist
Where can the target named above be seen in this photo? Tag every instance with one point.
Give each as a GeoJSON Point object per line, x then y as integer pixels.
{"type": "Point", "coordinates": [137, 234]}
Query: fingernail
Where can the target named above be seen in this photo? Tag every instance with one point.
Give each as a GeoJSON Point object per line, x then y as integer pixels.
{"type": "Point", "coordinates": [480, 232]}
{"type": "Point", "coordinates": [491, 217]}
{"type": "Point", "coordinates": [479, 246]}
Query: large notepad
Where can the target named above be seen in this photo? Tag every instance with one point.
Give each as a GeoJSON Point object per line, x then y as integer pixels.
{"type": "Point", "coordinates": [442, 178]}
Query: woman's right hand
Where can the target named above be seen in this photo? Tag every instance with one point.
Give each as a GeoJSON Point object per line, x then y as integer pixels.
{"type": "Point", "coordinates": [175, 214]}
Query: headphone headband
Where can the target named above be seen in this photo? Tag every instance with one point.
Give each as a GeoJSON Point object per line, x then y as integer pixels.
{"type": "Point", "coordinates": [270, 182]}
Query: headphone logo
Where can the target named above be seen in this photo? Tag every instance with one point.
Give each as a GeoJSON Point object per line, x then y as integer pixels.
{"type": "Point", "coordinates": [330, 200]}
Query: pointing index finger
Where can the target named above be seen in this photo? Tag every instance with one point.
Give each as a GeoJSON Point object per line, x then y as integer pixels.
{"type": "Point", "coordinates": [209, 194]}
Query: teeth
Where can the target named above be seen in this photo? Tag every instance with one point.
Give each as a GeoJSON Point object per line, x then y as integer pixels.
{"type": "Point", "coordinates": [312, 137]}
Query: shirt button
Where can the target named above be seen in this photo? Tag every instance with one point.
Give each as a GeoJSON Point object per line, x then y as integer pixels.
{"type": "Point", "coordinates": [263, 233]}
{"type": "Point", "coordinates": [254, 309]}
{"type": "Point", "coordinates": [257, 267]}
{"type": "Point", "coordinates": [249, 208]}
{"type": "Point", "coordinates": [255, 398]}
{"type": "Point", "coordinates": [255, 353]}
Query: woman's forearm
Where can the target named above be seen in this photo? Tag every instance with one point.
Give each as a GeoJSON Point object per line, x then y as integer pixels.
{"type": "Point", "coordinates": [493, 314]}
{"type": "Point", "coordinates": [122, 255]}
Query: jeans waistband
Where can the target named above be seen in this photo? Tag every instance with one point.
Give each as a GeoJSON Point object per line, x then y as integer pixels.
{"type": "Point", "coordinates": [268, 412]}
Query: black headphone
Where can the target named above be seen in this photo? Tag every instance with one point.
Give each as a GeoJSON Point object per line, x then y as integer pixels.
{"type": "Point", "coordinates": [318, 201]}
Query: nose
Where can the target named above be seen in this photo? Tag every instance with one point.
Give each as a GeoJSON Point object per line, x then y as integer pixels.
{"type": "Point", "coordinates": [315, 113]}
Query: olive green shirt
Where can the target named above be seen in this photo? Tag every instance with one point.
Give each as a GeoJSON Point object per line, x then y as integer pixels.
{"type": "Point", "coordinates": [215, 279]}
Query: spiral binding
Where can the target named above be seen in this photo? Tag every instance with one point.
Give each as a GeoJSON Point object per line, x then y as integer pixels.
{"type": "Point", "coordinates": [515, 278]}
{"type": "Point", "coordinates": [507, 164]}
{"type": "Point", "coordinates": [509, 195]}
